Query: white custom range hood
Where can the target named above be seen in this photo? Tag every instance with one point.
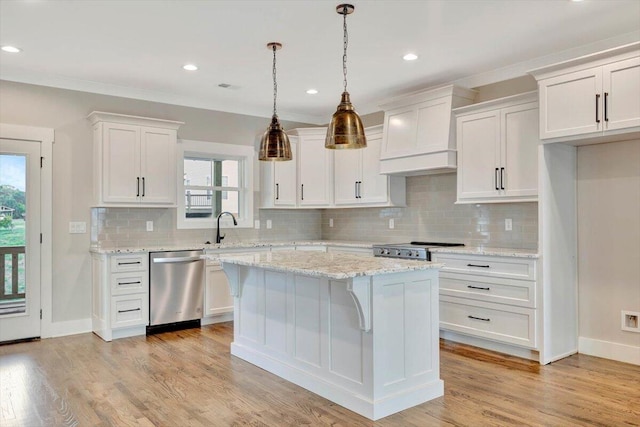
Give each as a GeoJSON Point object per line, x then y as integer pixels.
{"type": "Point", "coordinates": [419, 131]}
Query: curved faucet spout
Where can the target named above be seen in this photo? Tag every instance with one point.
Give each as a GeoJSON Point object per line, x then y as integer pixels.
{"type": "Point", "coordinates": [218, 236]}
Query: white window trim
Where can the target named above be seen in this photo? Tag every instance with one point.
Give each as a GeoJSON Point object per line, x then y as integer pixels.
{"type": "Point", "coordinates": [244, 154]}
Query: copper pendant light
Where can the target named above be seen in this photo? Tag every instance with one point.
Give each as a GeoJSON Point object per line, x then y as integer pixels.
{"type": "Point", "coordinates": [275, 145]}
{"type": "Point", "coordinates": [345, 129]}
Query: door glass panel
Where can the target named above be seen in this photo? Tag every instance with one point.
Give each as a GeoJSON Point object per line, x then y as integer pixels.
{"type": "Point", "coordinates": [13, 173]}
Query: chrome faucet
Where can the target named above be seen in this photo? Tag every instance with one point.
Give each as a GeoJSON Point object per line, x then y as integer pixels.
{"type": "Point", "coordinates": [218, 236]}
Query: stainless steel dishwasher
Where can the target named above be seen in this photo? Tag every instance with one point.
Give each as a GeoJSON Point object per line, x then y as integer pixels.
{"type": "Point", "coordinates": [176, 289]}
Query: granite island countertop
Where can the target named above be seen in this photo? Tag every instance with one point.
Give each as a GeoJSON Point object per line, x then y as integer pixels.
{"type": "Point", "coordinates": [325, 264]}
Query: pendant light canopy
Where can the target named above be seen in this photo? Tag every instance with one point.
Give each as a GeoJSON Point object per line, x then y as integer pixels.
{"type": "Point", "coordinates": [345, 129]}
{"type": "Point", "coordinates": [275, 145]}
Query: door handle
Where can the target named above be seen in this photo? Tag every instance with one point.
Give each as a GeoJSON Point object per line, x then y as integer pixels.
{"type": "Point", "coordinates": [170, 260]}
{"type": "Point", "coordinates": [597, 106]}
{"type": "Point", "coordinates": [478, 287]}
{"type": "Point", "coordinates": [277, 191]}
{"type": "Point", "coordinates": [143, 187]}
{"type": "Point", "coordinates": [495, 178]}
{"type": "Point", "coordinates": [359, 189]}
{"type": "Point", "coordinates": [355, 188]}
{"type": "Point", "coordinates": [128, 311]}
{"type": "Point", "coordinates": [606, 113]}
{"type": "Point", "coordinates": [302, 191]}
{"type": "Point", "coordinates": [138, 187]}
{"type": "Point", "coordinates": [129, 263]}
{"type": "Point", "coordinates": [129, 283]}
{"type": "Point", "coordinates": [478, 265]}
{"type": "Point", "coordinates": [502, 178]}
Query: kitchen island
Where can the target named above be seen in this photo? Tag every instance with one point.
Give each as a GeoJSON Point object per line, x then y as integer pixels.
{"type": "Point", "coordinates": [359, 331]}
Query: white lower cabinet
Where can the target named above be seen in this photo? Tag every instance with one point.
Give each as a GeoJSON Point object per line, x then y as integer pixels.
{"type": "Point", "coordinates": [120, 292]}
{"type": "Point", "coordinates": [217, 296]}
{"type": "Point", "coordinates": [489, 297]}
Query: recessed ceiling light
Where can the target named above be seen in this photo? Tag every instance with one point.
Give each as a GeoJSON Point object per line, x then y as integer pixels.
{"type": "Point", "coordinates": [11, 49]}
{"type": "Point", "coordinates": [312, 91]}
{"type": "Point", "coordinates": [190, 67]}
{"type": "Point", "coordinates": [410, 57]}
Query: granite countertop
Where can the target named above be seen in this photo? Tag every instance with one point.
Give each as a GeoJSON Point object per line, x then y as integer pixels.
{"type": "Point", "coordinates": [505, 252]}
{"type": "Point", "coordinates": [325, 264]}
{"type": "Point", "coordinates": [248, 244]}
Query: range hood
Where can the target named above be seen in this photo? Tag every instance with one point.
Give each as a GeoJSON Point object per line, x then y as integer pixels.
{"type": "Point", "coordinates": [419, 131]}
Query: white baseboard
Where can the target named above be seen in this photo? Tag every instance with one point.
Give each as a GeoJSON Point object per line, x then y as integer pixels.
{"type": "Point", "coordinates": [218, 318]}
{"type": "Point", "coordinates": [609, 350]}
{"type": "Point", "coordinates": [69, 327]}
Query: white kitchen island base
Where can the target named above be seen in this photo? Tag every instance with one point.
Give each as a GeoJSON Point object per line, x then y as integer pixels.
{"type": "Point", "coordinates": [368, 343]}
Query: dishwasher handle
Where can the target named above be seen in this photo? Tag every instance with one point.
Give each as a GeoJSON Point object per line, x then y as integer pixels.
{"type": "Point", "coordinates": [173, 260]}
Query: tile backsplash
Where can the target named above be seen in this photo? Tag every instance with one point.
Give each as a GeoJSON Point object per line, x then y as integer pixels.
{"type": "Point", "coordinates": [126, 227]}
{"type": "Point", "coordinates": [432, 215]}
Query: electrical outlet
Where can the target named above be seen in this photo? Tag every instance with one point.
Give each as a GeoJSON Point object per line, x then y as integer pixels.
{"type": "Point", "coordinates": [392, 224]}
{"type": "Point", "coordinates": [269, 223]}
{"type": "Point", "coordinates": [630, 321]}
{"type": "Point", "coordinates": [330, 222]}
{"type": "Point", "coordinates": [149, 225]}
{"type": "Point", "coordinates": [508, 224]}
{"type": "Point", "coordinates": [256, 224]}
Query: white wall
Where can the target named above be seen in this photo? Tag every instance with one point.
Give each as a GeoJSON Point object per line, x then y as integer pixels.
{"type": "Point", "coordinates": [608, 185]}
{"type": "Point", "coordinates": [65, 111]}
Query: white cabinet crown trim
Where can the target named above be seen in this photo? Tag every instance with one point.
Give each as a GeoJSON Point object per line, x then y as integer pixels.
{"type": "Point", "coordinates": [101, 116]}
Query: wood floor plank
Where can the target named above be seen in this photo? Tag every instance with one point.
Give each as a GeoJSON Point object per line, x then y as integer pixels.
{"type": "Point", "coordinates": [189, 378]}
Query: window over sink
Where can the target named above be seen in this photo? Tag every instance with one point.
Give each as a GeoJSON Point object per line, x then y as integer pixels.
{"type": "Point", "coordinates": [214, 178]}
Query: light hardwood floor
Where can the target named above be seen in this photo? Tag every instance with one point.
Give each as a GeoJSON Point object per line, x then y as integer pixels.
{"type": "Point", "coordinates": [188, 378]}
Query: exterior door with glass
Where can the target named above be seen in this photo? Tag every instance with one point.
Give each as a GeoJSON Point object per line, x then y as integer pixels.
{"type": "Point", "coordinates": [19, 239]}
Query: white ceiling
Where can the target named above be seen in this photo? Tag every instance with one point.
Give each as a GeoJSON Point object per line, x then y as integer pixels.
{"type": "Point", "coordinates": [137, 49]}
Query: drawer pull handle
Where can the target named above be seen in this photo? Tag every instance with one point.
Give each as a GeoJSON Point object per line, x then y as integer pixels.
{"type": "Point", "coordinates": [478, 265]}
{"type": "Point", "coordinates": [484, 319]}
{"type": "Point", "coordinates": [129, 263]}
{"type": "Point", "coordinates": [129, 283]}
{"type": "Point", "coordinates": [478, 287]}
{"type": "Point", "coordinates": [128, 311]}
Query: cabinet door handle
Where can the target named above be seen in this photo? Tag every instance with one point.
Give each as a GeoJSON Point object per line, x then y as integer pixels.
{"type": "Point", "coordinates": [129, 263]}
{"type": "Point", "coordinates": [597, 106]}
{"type": "Point", "coordinates": [143, 187]}
{"type": "Point", "coordinates": [495, 178]}
{"type": "Point", "coordinates": [359, 189]}
{"type": "Point", "coordinates": [484, 319]}
{"type": "Point", "coordinates": [277, 191]}
{"type": "Point", "coordinates": [606, 113]}
{"type": "Point", "coordinates": [128, 311]}
{"type": "Point", "coordinates": [502, 178]}
{"type": "Point", "coordinates": [478, 265]}
{"type": "Point", "coordinates": [138, 187]}
{"type": "Point", "coordinates": [478, 287]}
{"type": "Point", "coordinates": [302, 191]}
{"type": "Point", "coordinates": [129, 283]}
{"type": "Point", "coordinates": [355, 188]}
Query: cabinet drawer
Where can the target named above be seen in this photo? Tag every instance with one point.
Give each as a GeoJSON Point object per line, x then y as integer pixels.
{"type": "Point", "coordinates": [129, 283]}
{"type": "Point", "coordinates": [492, 289]}
{"type": "Point", "coordinates": [507, 324]}
{"type": "Point", "coordinates": [132, 262]}
{"type": "Point", "coordinates": [129, 310]}
{"type": "Point", "coordinates": [509, 267]}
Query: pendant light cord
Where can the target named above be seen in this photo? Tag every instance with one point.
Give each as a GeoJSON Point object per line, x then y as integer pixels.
{"type": "Point", "coordinates": [275, 84]}
{"type": "Point", "coordinates": [345, 43]}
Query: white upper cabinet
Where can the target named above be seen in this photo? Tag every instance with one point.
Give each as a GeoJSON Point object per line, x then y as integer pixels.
{"type": "Point", "coordinates": [357, 176]}
{"type": "Point", "coordinates": [498, 150]}
{"type": "Point", "coordinates": [321, 178]}
{"type": "Point", "coordinates": [315, 171]}
{"type": "Point", "coordinates": [285, 178]}
{"type": "Point", "coordinates": [134, 160]}
{"type": "Point", "coordinates": [591, 99]}
{"type": "Point", "coordinates": [418, 131]}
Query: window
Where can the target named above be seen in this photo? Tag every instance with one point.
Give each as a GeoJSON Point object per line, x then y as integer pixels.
{"type": "Point", "coordinates": [216, 178]}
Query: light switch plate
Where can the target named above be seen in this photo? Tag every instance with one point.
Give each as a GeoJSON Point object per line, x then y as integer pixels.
{"type": "Point", "coordinates": [269, 224]}
{"type": "Point", "coordinates": [149, 225]}
{"type": "Point", "coordinates": [77, 227]}
{"type": "Point", "coordinates": [508, 224]}
{"type": "Point", "coordinates": [392, 224]}
{"type": "Point", "coordinates": [330, 222]}
{"type": "Point", "coordinates": [256, 224]}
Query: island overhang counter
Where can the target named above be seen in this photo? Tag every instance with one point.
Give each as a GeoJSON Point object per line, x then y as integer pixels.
{"type": "Point", "coordinates": [359, 331]}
